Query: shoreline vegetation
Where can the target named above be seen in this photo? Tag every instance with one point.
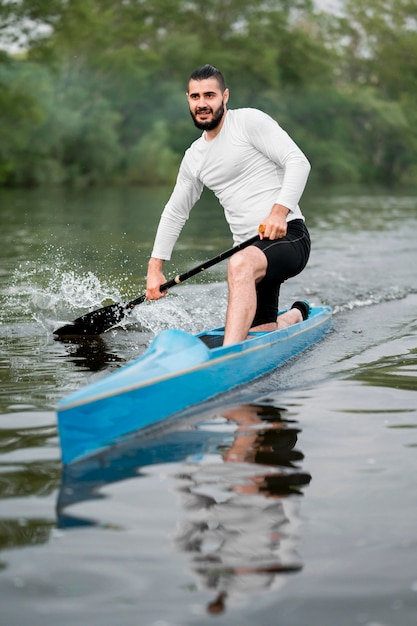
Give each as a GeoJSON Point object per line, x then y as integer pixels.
{"type": "Point", "coordinates": [97, 97]}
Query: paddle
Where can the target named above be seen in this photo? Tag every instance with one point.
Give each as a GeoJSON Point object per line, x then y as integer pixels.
{"type": "Point", "coordinates": [103, 319]}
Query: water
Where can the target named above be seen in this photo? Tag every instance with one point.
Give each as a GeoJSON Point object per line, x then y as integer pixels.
{"type": "Point", "coordinates": [290, 501]}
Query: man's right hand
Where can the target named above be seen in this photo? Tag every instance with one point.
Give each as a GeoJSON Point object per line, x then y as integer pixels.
{"type": "Point", "coordinates": [155, 279]}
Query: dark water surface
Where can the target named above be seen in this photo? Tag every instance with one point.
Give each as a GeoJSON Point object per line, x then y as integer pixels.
{"type": "Point", "coordinates": [289, 501]}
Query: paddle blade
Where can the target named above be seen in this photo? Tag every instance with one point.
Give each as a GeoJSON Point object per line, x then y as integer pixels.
{"type": "Point", "coordinates": [94, 323]}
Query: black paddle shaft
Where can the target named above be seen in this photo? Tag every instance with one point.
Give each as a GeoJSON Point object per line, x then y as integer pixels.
{"type": "Point", "coordinates": [101, 320]}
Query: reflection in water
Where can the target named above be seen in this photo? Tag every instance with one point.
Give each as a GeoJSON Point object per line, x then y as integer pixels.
{"type": "Point", "coordinates": [83, 480]}
{"type": "Point", "coordinates": [239, 488]}
{"type": "Point", "coordinates": [89, 352]}
{"type": "Point", "coordinates": [240, 510]}
{"type": "Point", "coordinates": [21, 479]}
{"type": "Point", "coordinates": [397, 371]}
{"type": "Point", "coordinates": [15, 533]}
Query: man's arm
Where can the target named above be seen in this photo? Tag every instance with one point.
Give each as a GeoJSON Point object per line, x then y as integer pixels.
{"type": "Point", "coordinates": [267, 136]}
{"type": "Point", "coordinates": [154, 279]}
{"type": "Point", "coordinates": [185, 194]}
{"type": "Point", "coordinates": [270, 139]}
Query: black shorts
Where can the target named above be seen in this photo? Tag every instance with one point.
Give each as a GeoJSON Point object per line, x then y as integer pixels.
{"type": "Point", "coordinates": [286, 257]}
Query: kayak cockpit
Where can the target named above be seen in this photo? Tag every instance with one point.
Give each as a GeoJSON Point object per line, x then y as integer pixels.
{"type": "Point", "coordinates": [214, 338]}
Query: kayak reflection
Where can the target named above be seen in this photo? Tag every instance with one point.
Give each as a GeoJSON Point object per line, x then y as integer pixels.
{"type": "Point", "coordinates": [238, 478]}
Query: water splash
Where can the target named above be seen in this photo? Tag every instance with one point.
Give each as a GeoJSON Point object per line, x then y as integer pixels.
{"type": "Point", "coordinates": [80, 291]}
{"type": "Point", "coordinates": [192, 308]}
{"type": "Point", "coordinates": [49, 294]}
{"type": "Point", "coordinates": [53, 294]}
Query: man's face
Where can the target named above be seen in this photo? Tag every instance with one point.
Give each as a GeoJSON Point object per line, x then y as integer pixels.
{"type": "Point", "coordinates": [206, 102]}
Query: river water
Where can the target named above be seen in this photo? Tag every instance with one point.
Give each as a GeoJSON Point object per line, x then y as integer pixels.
{"type": "Point", "coordinates": [289, 501]}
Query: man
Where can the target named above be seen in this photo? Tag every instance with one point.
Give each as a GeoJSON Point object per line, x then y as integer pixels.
{"type": "Point", "coordinates": [258, 174]}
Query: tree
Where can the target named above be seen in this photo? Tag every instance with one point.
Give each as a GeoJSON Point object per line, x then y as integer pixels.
{"type": "Point", "coordinates": [378, 40]}
{"type": "Point", "coordinates": [99, 94]}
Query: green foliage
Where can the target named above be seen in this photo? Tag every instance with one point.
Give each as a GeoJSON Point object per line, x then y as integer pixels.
{"type": "Point", "coordinates": [20, 113]}
{"type": "Point", "coordinates": [98, 96]}
{"type": "Point", "coordinates": [55, 129]}
{"type": "Point", "coordinates": [151, 161]}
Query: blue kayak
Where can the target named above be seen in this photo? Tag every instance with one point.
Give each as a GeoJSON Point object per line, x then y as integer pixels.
{"type": "Point", "coordinates": [177, 371]}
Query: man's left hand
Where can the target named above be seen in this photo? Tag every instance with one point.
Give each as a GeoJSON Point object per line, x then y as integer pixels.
{"type": "Point", "coordinates": [275, 225]}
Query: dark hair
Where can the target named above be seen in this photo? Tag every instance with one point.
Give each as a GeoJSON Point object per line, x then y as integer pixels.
{"type": "Point", "coordinates": [208, 71]}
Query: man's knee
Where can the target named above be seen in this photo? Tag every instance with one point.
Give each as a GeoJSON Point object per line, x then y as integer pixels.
{"type": "Point", "coordinates": [249, 264]}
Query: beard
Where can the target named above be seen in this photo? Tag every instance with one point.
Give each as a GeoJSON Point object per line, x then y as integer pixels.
{"type": "Point", "coordinates": [215, 120]}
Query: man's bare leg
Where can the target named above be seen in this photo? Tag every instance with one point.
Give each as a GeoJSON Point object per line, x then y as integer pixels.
{"type": "Point", "coordinates": [245, 269]}
{"type": "Point", "coordinates": [293, 316]}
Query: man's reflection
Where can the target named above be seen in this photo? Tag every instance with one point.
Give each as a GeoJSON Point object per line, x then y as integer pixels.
{"type": "Point", "coordinates": [241, 507]}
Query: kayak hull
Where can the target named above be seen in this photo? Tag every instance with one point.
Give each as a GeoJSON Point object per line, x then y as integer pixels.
{"type": "Point", "coordinates": [176, 372]}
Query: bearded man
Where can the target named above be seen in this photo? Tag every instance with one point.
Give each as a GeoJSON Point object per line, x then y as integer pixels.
{"type": "Point", "coordinates": [258, 174]}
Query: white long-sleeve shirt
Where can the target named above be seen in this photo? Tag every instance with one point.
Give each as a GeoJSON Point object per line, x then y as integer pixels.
{"type": "Point", "coordinates": [250, 165]}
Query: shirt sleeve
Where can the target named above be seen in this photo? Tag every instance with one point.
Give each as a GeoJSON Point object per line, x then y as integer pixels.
{"type": "Point", "coordinates": [267, 136]}
{"type": "Point", "coordinates": [185, 194]}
